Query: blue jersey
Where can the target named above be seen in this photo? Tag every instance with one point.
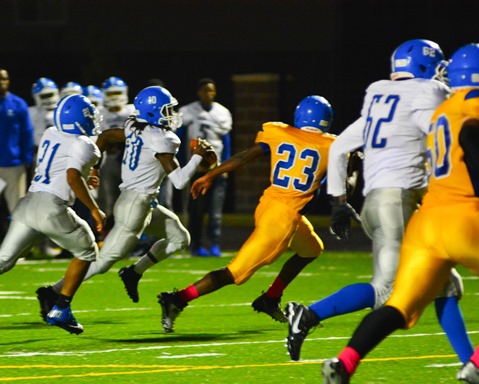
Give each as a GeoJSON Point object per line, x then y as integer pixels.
{"type": "Point", "coordinates": [16, 131]}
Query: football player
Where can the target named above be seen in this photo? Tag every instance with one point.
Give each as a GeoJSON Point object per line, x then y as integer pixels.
{"type": "Point", "coordinates": [392, 131]}
{"type": "Point", "coordinates": [210, 120]}
{"type": "Point", "coordinates": [299, 156]}
{"type": "Point", "coordinates": [65, 157]}
{"type": "Point", "coordinates": [150, 156]}
{"type": "Point", "coordinates": [443, 232]}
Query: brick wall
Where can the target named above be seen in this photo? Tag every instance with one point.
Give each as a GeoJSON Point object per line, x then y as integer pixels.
{"type": "Point", "coordinates": [256, 102]}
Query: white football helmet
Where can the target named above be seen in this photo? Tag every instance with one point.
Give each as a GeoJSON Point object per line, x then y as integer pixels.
{"type": "Point", "coordinates": [45, 93]}
{"type": "Point", "coordinates": [71, 88]}
{"type": "Point", "coordinates": [115, 92]}
{"type": "Point", "coordinates": [94, 94]}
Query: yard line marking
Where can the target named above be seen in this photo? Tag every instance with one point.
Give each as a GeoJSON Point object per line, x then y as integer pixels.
{"type": "Point", "coordinates": [458, 364]}
{"type": "Point", "coordinates": [163, 369]}
{"type": "Point", "coordinates": [18, 297]}
{"type": "Point", "coordinates": [199, 345]}
{"type": "Point", "coordinates": [190, 355]}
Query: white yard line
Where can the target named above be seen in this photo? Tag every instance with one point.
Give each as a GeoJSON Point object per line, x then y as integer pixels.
{"type": "Point", "coordinates": [196, 345]}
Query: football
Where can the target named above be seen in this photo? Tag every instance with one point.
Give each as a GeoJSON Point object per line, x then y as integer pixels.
{"type": "Point", "coordinates": [210, 159]}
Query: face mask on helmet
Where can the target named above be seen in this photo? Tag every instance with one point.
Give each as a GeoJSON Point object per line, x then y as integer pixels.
{"type": "Point", "coordinates": [313, 112]}
{"type": "Point", "coordinates": [416, 59]}
{"type": "Point", "coordinates": [71, 88]}
{"type": "Point", "coordinates": [75, 114]}
{"type": "Point", "coordinates": [45, 93]}
{"type": "Point", "coordinates": [155, 106]}
{"type": "Point", "coordinates": [94, 94]}
{"type": "Point", "coordinates": [463, 69]}
{"type": "Point", "coordinates": [115, 92]}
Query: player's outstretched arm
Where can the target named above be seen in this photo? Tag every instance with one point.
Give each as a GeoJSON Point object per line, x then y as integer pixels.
{"type": "Point", "coordinates": [239, 159]}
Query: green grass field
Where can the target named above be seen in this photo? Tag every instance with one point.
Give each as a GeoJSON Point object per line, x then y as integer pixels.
{"type": "Point", "coordinates": [218, 338]}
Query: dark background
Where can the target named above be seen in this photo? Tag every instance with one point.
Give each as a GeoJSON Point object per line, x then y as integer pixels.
{"type": "Point", "coordinates": [334, 48]}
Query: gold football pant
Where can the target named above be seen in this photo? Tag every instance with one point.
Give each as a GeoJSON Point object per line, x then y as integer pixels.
{"type": "Point", "coordinates": [436, 239]}
{"type": "Point", "coordinates": [277, 228]}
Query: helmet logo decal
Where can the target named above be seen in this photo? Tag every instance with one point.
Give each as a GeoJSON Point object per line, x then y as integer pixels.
{"type": "Point", "coordinates": [428, 51]}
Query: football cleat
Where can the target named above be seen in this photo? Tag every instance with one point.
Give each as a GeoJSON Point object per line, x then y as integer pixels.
{"type": "Point", "coordinates": [199, 251]}
{"type": "Point", "coordinates": [64, 319]}
{"type": "Point", "coordinates": [171, 306]}
{"type": "Point", "coordinates": [215, 251]}
{"type": "Point", "coordinates": [334, 372]}
{"type": "Point", "coordinates": [130, 279]}
{"type": "Point", "coordinates": [300, 320]}
{"type": "Point", "coordinates": [47, 298]}
{"type": "Point", "coordinates": [469, 373]}
{"type": "Point", "coordinates": [270, 306]}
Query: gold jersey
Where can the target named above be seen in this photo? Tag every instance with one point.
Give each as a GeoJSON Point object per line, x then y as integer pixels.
{"type": "Point", "coordinates": [299, 160]}
{"type": "Point", "coordinates": [450, 179]}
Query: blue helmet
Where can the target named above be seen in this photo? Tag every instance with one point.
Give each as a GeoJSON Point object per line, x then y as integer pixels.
{"type": "Point", "coordinates": [94, 94]}
{"type": "Point", "coordinates": [314, 111]}
{"type": "Point", "coordinates": [77, 115]}
{"type": "Point", "coordinates": [416, 59]}
{"type": "Point", "coordinates": [463, 69]}
{"type": "Point", "coordinates": [115, 92]}
{"type": "Point", "coordinates": [154, 105]}
{"type": "Point", "coordinates": [71, 88]}
{"type": "Point", "coordinates": [45, 93]}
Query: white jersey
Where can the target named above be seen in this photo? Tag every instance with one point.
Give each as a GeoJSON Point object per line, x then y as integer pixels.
{"type": "Point", "coordinates": [141, 171]}
{"type": "Point", "coordinates": [57, 152]}
{"type": "Point", "coordinates": [211, 125]}
{"type": "Point", "coordinates": [41, 119]}
{"type": "Point", "coordinates": [116, 119]}
{"type": "Point", "coordinates": [392, 130]}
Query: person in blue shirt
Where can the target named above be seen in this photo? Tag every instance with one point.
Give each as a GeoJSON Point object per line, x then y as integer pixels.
{"type": "Point", "coordinates": [16, 145]}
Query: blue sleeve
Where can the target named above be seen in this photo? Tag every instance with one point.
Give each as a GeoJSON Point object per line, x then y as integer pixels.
{"type": "Point", "coordinates": [26, 135]}
{"type": "Point", "coordinates": [265, 147]}
{"type": "Point", "coordinates": [226, 147]}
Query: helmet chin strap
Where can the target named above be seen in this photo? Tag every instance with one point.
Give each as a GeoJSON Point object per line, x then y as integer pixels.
{"type": "Point", "coordinates": [81, 128]}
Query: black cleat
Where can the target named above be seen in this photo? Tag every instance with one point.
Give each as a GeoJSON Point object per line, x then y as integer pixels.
{"type": "Point", "coordinates": [270, 306]}
{"type": "Point", "coordinates": [300, 320]}
{"type": "Point", "coordinates": [130, 279]}
{"type": "Point", "coordinates": [334, 372]}
{"type": "Point", "coordinates": [171, 306]}
{"type": "Point", "coordinates": [47, 298]}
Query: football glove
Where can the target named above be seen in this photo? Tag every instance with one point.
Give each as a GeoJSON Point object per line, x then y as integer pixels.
{"type": "Point", "coordinates": [210, 158]}
{"type": "Point", "coordinates": [341, 216]}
